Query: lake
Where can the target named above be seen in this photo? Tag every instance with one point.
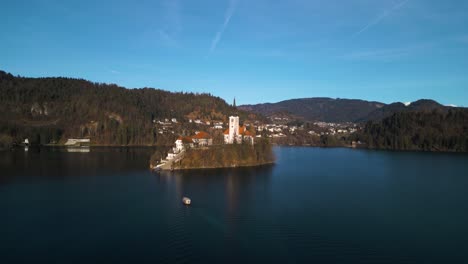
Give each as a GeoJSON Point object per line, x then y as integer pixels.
{"type": "Point", "coordinates": [314, 205]}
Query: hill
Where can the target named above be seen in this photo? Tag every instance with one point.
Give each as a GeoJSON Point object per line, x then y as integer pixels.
{"type": "Point", "coordinates": [318, 109]}
{"type": "Point", "coordinates": [434, 130]}
{"type": "Point", "coordinates": [422, 105]}
{"type": "Point", "coordinates": [49, 110]}
{"type": "Point", "coordinates": [340, 110]}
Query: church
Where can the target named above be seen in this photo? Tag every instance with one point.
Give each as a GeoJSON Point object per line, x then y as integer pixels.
{"type": "Point", "coordinates": [237, 134]}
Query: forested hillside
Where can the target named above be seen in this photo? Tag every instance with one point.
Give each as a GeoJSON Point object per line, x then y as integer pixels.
{"type": "Point", "coordinates": [340, 110]}
{"type": "Point", "coordinates": [48, 110]}
{"type": "Point", "coordinates": [426, 130]}
{"type": "Point", "coordinates": [318, 109]}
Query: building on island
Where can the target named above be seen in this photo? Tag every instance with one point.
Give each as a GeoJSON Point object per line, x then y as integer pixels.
{"type": "Point", "coordinates": [78, 142]}
{"type": "Point", "coordinates": [237, 134]}
{"type": "Point", "coordinates": [202, 139]}
{"type": "Point", "coordinates": [182, 142]}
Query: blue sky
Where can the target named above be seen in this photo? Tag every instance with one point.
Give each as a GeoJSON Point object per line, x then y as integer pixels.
{"type": "Point", "coordinates": [256, 50]}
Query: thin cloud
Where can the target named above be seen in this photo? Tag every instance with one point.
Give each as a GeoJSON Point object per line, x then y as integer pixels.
{"type": "Point", "coordinates": [227, 18]}
{"type": "Point", "coordinates": [380, 55]}
{"type": "Point", "coordinates": [385, 14]}
{"type": "Point", "coordinates": [171, 24]}
{"type": "Point", "coordinates": [390, 54]}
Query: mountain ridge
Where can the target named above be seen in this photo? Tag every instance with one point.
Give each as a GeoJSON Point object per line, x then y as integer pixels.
{"type": "Point", "coordinates": [340, 110]}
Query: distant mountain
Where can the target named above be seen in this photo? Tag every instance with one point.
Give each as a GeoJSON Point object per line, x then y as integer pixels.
{"type": "Point", "coordinates": [422, 105]}
{"type": "Point", "coordinates": [319, 109]}
{"type": "Point", "coordinates": [341, 110]}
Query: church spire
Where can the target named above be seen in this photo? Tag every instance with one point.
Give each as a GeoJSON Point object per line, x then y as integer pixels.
{"type": "Point", "coordinates": [234, 103]}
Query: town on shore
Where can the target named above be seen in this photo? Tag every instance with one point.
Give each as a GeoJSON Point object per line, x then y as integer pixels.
{"type": "Point", "coordinates": [57, 111]}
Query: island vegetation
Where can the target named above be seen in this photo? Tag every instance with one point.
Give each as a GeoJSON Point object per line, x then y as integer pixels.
{"type": "Point", "coordinates": [224, 156]}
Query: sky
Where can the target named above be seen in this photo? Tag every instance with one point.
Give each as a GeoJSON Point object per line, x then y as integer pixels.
{"type": "Point", "coordinates": [254, 50]}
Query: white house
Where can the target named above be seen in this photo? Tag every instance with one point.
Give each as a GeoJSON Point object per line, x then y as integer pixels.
{"type": "Point", "coordinates": [182, 142]}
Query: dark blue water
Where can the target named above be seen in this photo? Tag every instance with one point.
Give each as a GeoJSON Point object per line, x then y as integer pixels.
{"type": "Point", "coordinates": [314, 206]}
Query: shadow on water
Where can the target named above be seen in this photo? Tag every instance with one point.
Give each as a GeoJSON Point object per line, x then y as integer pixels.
{"type": "Point", "coordinates": [61, 162]}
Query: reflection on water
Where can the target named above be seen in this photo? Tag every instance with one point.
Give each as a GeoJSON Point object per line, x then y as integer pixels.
{"type": "Point", "coordinates": [79, 149]}
{"type": "Point", "coordinates": [314, 205]}
{"type": "Point", "coordinates": [233, 183]}
{"type": "Point", "coordinates": [64, 162]}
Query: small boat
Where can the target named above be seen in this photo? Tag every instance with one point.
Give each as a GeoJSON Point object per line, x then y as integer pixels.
{"type": "Point", "coordinates": [186, 200]}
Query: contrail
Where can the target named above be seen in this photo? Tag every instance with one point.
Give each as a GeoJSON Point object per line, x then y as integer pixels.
{"type": "Point", "coordinates": [229, 13]}
{"type": "Point", "coordinates": [381, 17]}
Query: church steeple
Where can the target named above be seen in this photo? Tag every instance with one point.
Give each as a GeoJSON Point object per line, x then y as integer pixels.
{"type": "Point", "coordinates": [234, 103]}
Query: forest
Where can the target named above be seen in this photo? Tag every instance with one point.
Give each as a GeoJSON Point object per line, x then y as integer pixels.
{"type": "Point", "coordinates": [51, 110]}
{"type": "Point", "coordinates": [420, 131]}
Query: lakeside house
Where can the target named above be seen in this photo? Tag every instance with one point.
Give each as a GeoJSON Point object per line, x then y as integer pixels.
{"type": "Point", "coordinates": [78, 142]}
{"type": "Point", "coordinates": [237, 134]}
{"type": "Point", "coordinates": [182, 142]}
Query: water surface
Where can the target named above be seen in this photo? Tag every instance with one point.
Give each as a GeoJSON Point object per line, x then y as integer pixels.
{"type": "Point", "coordinates": [314, 205]}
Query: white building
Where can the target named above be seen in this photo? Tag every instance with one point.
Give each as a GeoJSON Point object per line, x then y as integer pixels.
{"type": "Point", "coordinates": [237, 134]}
{"type": "Point", "coordinates": [233, 130]}
{"type": "Point", "coordinates": [202, 139]}
{"type": "Point", "coordinates": [183, 142]}
{"type": "Point", "coordinates": [78, 142]}
{"type": "Point", "coordinates": [179, 145]}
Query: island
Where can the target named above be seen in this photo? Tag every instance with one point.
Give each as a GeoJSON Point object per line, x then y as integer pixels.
{"type": "Point", "coordinates": [241, 148]}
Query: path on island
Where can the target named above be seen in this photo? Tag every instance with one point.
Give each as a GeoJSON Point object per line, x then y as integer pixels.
{"type": "Point", "coordinates": [167, 165]}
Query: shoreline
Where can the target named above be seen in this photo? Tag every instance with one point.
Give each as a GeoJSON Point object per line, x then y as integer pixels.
{"type": "Point", "coordinates": [274, 145]}
{"type": "Point", "coordinates": [223, 167]}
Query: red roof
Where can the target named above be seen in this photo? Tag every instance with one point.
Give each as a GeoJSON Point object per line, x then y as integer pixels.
{"type": "Point", "coordinates": [202, 135]}
{"type": "Point", "coordinates": [242, 131]}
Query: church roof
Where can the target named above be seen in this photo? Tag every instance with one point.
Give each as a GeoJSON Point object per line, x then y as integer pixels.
{"type": "Point", "coordinates": [242, 131]}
